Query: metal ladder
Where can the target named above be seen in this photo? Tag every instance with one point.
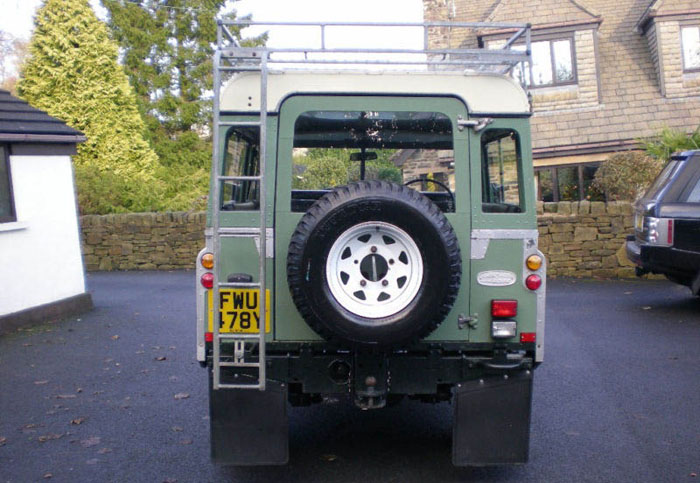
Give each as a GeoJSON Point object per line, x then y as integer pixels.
{"type": "Point", "coordinates": [255, 62]}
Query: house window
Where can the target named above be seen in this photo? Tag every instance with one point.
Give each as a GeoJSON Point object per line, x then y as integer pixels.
{"type": "Point", "coordinates": [7, 206]}
{"type": "Point", "coordinates": [553, 64]}
{"type": "Point", "coordinates": [690, 41]}
{"type": "Point", "coordinates": [568, 183]}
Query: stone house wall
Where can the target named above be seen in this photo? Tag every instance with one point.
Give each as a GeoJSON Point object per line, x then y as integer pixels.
{"type": "Point", "coordinates": [579, 239]}
{"type": "Point", "coordinates": [675, 82]}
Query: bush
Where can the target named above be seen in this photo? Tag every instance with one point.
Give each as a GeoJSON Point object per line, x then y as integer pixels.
{"type": "Point", "coordinates": [625, 176]}
{"type": "Point", "coordinates": [670, 141]}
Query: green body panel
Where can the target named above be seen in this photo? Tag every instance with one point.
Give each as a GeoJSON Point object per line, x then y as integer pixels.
{"type": "Point", "coordinates": [501, 255]}
{"type": "Point", "coordinates": [292, 327]}
{"type": "Point", "coordinates": [240, 255]}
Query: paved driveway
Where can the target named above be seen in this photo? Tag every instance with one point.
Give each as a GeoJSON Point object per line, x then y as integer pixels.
{"type": "Point", "coordinates": [116, 395]}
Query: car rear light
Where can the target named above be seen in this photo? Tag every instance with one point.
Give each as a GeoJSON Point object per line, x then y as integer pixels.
{"type": "Point", "coordinates": [208, 337]}
{"type": "Point", "coordinates": [534, 262]}
{"type": "Point", "coordinates": [528, 337]}
{"type": "Point", "coordinates": [207, 261]}
{"type": "Point", "coordinates": [659, 231]}
{"type": "Point", "coordinates": [503, 329]}
{"type": "Point", "coordinates": [533, 282]}
{"type": "Point", "coordinates": [207, 280]}
{"type": "Point", "coordinates": [504, 308]}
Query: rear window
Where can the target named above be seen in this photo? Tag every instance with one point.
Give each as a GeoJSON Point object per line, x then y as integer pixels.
{"type": "Point", "coordinates": [656, 187]}
{"type": "Point", "coordinates": [334, 148]}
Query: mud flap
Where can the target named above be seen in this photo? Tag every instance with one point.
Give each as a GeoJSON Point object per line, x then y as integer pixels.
{"type": "Point", "coordinates": [491, 423]}
{"type": "Point", "coordinates": [249, 427]}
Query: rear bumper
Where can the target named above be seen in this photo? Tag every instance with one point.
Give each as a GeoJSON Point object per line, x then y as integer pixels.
{"type": "Point", "coordinates": [665, 260]}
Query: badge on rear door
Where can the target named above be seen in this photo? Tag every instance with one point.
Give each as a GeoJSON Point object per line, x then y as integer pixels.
{"type": "Point", "coordinates": [496, 278]}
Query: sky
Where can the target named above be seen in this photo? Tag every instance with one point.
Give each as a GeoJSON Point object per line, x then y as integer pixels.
{"type": "Point", "coordinates": [16, 17]}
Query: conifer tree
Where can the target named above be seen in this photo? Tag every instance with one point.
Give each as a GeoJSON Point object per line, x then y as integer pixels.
{"type": "Point", "coordinates": [73, 74]}
{"type": "Point", "coordinates": [167, 51]}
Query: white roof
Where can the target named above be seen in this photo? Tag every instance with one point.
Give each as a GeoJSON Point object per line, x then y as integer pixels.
{"type": "Point", "coordinates": [483, 93]}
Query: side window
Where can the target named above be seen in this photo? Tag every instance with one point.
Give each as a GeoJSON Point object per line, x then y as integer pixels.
{"type": "Point", "coordinates": [501, 171]}
{"type": "Point", "coordinates": [334, 148]}
{"type": "Point", "coordinates": [242, 158]}
{"type": "Point", "coordinates": [7, 208]}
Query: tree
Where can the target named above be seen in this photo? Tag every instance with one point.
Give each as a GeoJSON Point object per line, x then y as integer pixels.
{"type": "Point", "coordinates": [167, 52]}
{"type": "Point", "coordinates": [13, 51]}
{"type": "Point", "coordinates": [73, 74]}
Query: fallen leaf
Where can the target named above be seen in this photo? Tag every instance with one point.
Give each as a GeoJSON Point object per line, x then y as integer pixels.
{"type": "Point", "coordinates": [66, 396]}
{"type": "Point", "coordinates": [173, 379]}
{"type": "Point", "coordinates": [170, 480]}
{"type": "Point", "coordinates": [629, 293]}
{"type": "Point", "coordinates": [39, 383]}
{"type": "Point", "coordinates": [79, 390]}
{"type": "Point", "coordinates": [77, 421]}
{"type": "Point", "coordinates": [329, 457]}
{"type": "Point", "coordinates": [91, 441]}
{"type": "Point", "coordinates": [140, 352]}
{"type": "Point", "coordinates": [104, 451]}
{"type": "Point", "coordinates": [186, 441]}
{"type": "Point", "coordinates": [181, 395]}
{"type": "Point", "coordinates": [29, 426]}
{"type": "Point", "coordinates": [161, 358]}
{"type": "Point", "coordinates": [693, 475]}
{"type": "Point", "coordinates": [48, 475]}
{"type": "Point", "coordinates": [177, 429]}
{"type": "Point", "coordinates": [115, 337]}
{"type": "Point", "coordinates": [3, 440]}
{"type": "Point", "coordinates": [646, 307]}
{"type": "Point", "coordinates": [172, 347]}
{"type": "Point", "coordinates": [26, 345]}
{"type": "Point", "coordinates": [49, 437]}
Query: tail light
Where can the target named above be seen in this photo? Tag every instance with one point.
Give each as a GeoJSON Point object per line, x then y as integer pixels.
{"type": "Point", "coordinates": [504, 308]}
{"type": "Point", "coordinates": [528, 337]}
{"type": "Point", "coordinates": [533, 282]}
{"type": "Point", "coordinates": [207, 280]}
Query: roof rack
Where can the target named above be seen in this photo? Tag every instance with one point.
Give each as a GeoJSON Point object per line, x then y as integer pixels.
{"type": "Point", "coordinates": [320, 56]}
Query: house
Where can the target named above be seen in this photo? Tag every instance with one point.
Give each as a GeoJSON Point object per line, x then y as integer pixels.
{"type": "Point", "coordinates": [604, 74]}
{"type": "Point", "coordinates": [41, 267]}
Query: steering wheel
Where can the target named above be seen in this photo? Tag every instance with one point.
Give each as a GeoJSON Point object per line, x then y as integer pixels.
{"type": "Point", "coordinates": [439, 183]}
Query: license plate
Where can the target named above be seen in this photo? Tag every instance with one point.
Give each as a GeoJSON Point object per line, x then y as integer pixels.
{"type": "Point", "coordinates": [240, 310]}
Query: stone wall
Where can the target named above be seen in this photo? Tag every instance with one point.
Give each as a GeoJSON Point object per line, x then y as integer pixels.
{"type": "Point", "coordinates": [579, 239]}
{"type": "Point", "coordinates": [586, 239]}
{"type": "Point", "coordinates": [142, 241]}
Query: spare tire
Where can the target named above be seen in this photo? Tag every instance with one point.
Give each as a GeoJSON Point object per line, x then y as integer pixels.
{"type": "Point", "coordinates": [374, 264]}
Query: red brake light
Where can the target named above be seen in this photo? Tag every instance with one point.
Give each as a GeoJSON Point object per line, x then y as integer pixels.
{"type": "Point", "coordinates": [528, 337]}
{"type": "Point", "coordinates": [533, 282]}
{"type": "Point", "coordinates": [207, 280]}
{"type": "Point", "coordinates": [208, 337]}
{"type": "Point", "coordinates": [669, 235]}
{"type": "Point", "coordinates": [504, 308]}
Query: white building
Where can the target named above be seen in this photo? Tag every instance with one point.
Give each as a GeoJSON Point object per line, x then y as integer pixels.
{"type": "Point", "coordinates": [41, 266]}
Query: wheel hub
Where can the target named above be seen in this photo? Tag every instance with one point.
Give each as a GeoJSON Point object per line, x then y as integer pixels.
{"type": "Point", "coordinates": [374, 269]}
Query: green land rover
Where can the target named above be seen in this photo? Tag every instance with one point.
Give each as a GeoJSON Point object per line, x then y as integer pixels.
{"type": "Point", "coordinates": [388, 217]}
